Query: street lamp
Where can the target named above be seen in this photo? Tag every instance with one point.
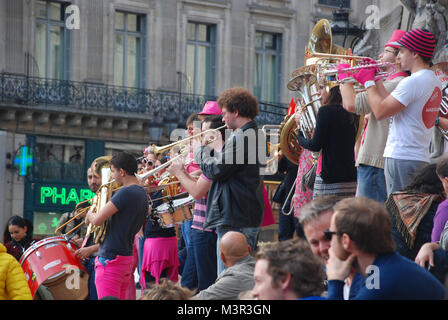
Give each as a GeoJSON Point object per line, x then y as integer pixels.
{"type": "Point", "coordinates": [342, 30]}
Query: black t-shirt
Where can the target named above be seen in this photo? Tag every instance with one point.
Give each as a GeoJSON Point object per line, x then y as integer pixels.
{"type": "Point", "coordinates": [132, 204]}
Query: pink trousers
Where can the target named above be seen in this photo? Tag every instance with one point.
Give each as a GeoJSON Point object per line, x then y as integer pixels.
{"type": "Point", "coordinates": [113, 277]}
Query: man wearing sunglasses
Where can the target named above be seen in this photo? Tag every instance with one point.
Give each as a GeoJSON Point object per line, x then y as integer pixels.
{"type": "Point", "coordinates": [315, 219]}
{"type": "Point", "coordinates": [361, 238]}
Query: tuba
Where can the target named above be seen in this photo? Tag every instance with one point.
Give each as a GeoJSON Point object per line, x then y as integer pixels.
{"type": "Point", "coordinates": [305, 82]}
{"type": "Point", "coordinates": [441, 71]}
{"type": "Point", "coordinates": [101, 167]}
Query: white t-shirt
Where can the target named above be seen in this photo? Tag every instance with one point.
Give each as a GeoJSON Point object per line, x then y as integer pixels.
{"type": "Point", "coordinates": [410, 129]}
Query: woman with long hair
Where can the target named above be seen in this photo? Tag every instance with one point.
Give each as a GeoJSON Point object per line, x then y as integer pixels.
{"type": "Point", "coordinates": [334, 136]}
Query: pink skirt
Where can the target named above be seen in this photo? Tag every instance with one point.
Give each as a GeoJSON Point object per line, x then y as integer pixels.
{"type": "Point", "coordinates": [160, 254]}
{"type": "Point", "coordinates": [268, 218]}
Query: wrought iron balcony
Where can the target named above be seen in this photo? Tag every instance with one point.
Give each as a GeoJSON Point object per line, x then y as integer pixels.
{"type": "Point", "coordinates": [153, 105]}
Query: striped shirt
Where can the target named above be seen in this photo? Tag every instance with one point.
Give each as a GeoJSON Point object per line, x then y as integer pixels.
{"type": "Point", "coordinates": [199, 211]}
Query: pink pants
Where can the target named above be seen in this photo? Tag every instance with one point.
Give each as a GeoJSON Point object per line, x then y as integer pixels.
{"type": "Point", "coordinates": [114, 278]}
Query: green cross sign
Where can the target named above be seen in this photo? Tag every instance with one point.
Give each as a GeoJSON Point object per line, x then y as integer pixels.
{"type": "Point", "coordinates": [24, 160]}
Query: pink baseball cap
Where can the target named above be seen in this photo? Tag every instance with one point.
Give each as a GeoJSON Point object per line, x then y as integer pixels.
{"type": "Point", "coordinates": [210, 107]}
{"type": "Point", "coordinates": [395, 37]}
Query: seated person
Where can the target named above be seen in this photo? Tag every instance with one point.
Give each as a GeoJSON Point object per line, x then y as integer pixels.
{"type": "Point", "coordinates": [239, 273]}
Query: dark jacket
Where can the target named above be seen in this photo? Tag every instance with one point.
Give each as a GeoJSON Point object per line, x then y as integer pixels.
{"type": "Point", "coordinates": [335, 134]}
{"type": "Point", "coordinates": [236, 193]}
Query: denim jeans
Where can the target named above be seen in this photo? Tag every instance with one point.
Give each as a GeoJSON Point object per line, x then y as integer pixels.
{"type": "Point", "coordinates": [287, 224]}
{"type": "Point", "coordinates": [371, 183]}
{"type": "Point", "coordinates": [200, 267]}
{"type": "Point", "coordinates": [186, 229]}
{"type": "Point", "coordinates": [90, 266]}
{"type": "Point", "coordinates": [251, 236]}
{"type": "Point", "coordinates": [141, 245]}
{"type": "Point", "coordinates": [399, 173]}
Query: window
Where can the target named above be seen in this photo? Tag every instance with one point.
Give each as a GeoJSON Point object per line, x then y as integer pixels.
{"type": "Point", "coordinates": [267, 77]}
{"type": "Point", "coordinates": [336, 3]}
{"type": "Point", "coordinates": [129, 50]}
{"type": "Point", "coordinates": [59, 159]}
{"type": "Point", "coordinates": [200, 64]}
{"type": "Point", "coordinates": [52, 41]}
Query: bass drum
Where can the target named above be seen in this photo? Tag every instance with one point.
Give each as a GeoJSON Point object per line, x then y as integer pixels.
{"type": "Point", "coordinates": [53, 271]}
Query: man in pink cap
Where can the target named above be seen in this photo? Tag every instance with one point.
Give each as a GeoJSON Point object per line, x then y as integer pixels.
{"type": "Point", "coordinates": [370, 161]}
{"type": "Point", "coordinates": [413, 107]}
{"type": "Point", "coordinates": [210, 108]}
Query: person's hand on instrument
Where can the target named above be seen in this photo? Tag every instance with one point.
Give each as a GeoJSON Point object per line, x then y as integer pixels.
{"type": "Point", "coordinates": [342, 75]}
{"type": "Point", "coordinates": [84, 253]}
{"type": "Point", "coordinates": [176, 167]}
{"type": "Point", "coordinates": [364, 75]}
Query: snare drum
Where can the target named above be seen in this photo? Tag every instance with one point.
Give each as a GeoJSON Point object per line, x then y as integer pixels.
{"type": "Point", "coordinates": [180, 211]}
{"type": "Point", "coordinates": [49, 263]}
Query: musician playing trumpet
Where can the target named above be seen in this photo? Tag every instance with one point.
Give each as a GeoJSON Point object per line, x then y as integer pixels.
{"type": "Point", "coordinates": [200, 266]}
{"type": "Point", "coordinates": [369, 159]}
{"type": "Point", "coordinates": [413, 107]}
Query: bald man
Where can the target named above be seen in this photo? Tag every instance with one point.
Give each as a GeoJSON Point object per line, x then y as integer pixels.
{"type": "Point", "coordinates": [239, 275]}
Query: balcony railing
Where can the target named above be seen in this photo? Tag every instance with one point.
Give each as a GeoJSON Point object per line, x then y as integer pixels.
{"type": "Point", "coordinates": [93, 97]}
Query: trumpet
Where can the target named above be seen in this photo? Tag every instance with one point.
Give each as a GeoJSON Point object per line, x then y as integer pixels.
{"type": "Point", "coordinates": [161, 149]}
{"type": "Point", "coordinates": [332, 72]}
{"type": "Point", "coordinates": [183, 153]}
{"type": "Point", "coordinates": [326, 66]}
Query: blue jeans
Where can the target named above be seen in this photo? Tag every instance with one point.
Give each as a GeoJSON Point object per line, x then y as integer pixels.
{"type": "Point", "coordinates": [141, 245]}
{"type": "Point", "coordinates": [186, 229]}
{"type": "Point", "coordinates": [399, 173]}
{"type": "Point", "coordinates": [371, 183]}
{"type": "Point", "coordinates": [287, 224]}
{"type": "Point", "coordinates": [90, 266]}
{"type": "Point", "coordinates": [251, 236]}
{"type": "Point", "coordinates": [200, 267]}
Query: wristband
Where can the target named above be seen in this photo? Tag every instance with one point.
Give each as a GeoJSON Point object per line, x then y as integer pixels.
{"type": "Point", "coordinates": [437, 121]}
{"type": "Point", "coordinates": [369, 83]}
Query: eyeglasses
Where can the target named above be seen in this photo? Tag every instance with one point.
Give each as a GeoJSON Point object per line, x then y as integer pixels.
{"type": "Point", "coordinates": [393, 52]}
{"type": "Point", "coordinates": [329, 234]}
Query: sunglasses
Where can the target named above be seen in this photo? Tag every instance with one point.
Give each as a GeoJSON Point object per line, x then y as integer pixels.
{"type": "Point", "coordinates": [329, 234]}
{"type": "Point", "coordinates": [148, 162]}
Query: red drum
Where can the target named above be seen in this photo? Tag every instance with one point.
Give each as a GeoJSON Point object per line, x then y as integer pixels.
{"type": "Point", "coordinates": [53, 271]}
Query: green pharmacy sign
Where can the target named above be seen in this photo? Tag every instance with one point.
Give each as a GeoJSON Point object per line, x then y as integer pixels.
{"type": "Point", "coordinates": [61, 196]}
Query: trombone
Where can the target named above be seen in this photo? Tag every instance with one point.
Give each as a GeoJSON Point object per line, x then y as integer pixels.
{"type": "Point", "coordinates": [183, 153]}
{"type": "Point", "coordinates": [161, 149]}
